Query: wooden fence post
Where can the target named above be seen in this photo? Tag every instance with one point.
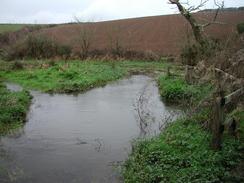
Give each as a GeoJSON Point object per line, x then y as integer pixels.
{"type": "Point", "coordinates": [189, 74]}
{"type": "Point", "coordinates": [218, 115]}
{"type": "Point", "coordinates": [217, 123]}
{"type": "Point", "coordinates": [219, 102]}
{"type": "Point", "coordinates": [168, 71]}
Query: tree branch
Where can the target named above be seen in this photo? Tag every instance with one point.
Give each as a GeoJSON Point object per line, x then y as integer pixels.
{"type": "Point", "coordinates": [197, 27]}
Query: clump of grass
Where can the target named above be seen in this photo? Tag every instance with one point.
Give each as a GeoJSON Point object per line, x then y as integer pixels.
{"type": "Point", "coordinates": [182, 154]}
{"type": "Point", "coordinates": [13, 108]}
{"type": "Point", "coordinates": [176, 90]}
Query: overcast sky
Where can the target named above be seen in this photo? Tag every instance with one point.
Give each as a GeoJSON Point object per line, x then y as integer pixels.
{"type": "Point", "coordinates": [62, 11]}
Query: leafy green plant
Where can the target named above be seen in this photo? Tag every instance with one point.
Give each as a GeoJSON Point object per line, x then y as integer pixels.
{"type": "Point", "coordinates": [192, 53]}
{"type": "Point", "coordinates": [176, 90]}
{"type": "Point", "coordinates": [181, 154]}
{"type": "Point", "coordinates": [13, 108]}
{"type": "Point", "coordinates": [240, 28]}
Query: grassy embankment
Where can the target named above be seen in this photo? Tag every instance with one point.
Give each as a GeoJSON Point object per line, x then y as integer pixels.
{"type": "Point", "coordinates": [182, 152]}
{"type": "Point", "coordinates": [13, 108]}
{"type": "Point", "coordinates": [72, 76]}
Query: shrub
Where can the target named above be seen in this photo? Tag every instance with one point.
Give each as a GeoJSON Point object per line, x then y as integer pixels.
{"type": "Point", "coordinates": [40, 47]}
{"type": "Point", "coordinates": [176, 90]}
{"type": "Point", "coordinates": [151, 56]}
{"type": "Point", "coordinates": [189, 55]}
{"type": "Point", "coordinates": [16, 51]}
{"type": "Point", "coordinates": [192, 53]}
{"type": "Point", "coordinates": [240, 28]}
{"type": "Point", "coordinates": [64, 51]}
{"type": "Point", "coordinates": [4, 38]}
{"type": "Point", "coordinates": [33, 28]}
{"type": "Point", "coordinates": [17, 65]}
{"type": "Point", "coordinates": [3, 53]}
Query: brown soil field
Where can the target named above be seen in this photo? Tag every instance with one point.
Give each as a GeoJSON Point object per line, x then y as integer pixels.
{"type": "Point", "coordinates": [164, 35]}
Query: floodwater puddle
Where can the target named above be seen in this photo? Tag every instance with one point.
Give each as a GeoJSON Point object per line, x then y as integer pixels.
{"type": "Point", "coordinates": [82, 138]}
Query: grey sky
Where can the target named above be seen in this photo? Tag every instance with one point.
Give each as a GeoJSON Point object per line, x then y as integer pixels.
{"type": "Point", "coordinates": [61, 11]}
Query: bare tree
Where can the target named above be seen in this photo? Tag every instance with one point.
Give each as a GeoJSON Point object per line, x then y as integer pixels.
{"type": "Point", "coordinates": [115, 40]}
{"type": "Point", "coordinates": [197, 27]}
{"type": "Point", "coordinates": [86, 35]}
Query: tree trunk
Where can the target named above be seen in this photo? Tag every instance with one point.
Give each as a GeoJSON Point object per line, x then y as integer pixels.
{"type": "Point", "coordinates": [194, 25]}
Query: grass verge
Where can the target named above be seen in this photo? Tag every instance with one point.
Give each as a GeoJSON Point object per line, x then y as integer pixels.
{"type": "Point", "coordinates": [13, 108]}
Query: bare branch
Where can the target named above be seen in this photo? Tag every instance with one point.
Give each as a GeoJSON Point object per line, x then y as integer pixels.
{"type": "Point", "coordinates": [194, 8]}
{"type": "Point", "coordinates": [86, 35]}
{"type": "Point", "coordinates": [220, 6]}
{"type": "Point", "coordinates": [197, 27]}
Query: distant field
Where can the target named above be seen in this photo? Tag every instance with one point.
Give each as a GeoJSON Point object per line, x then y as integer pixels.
{"type": "Point", "coordinates": [10, 27]}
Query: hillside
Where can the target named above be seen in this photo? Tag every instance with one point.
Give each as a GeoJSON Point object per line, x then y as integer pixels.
{"type": "Point", "coordinates": [164, 35]}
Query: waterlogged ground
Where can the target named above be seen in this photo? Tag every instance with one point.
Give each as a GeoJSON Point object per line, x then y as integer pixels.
{"type": "Point", "coordinates": [82, 138]}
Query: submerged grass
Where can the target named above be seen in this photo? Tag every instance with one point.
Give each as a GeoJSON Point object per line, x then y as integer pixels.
{"type": "Point", "coordinates": [72, 76]}
{"type": "Point", "coordinates": [13, 108]}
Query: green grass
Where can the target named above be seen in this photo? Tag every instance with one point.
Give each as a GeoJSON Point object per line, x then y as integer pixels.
{"type": "Point", "coordinates": [182, 154]}
{"type": "Point", "coordinates": [13, 108]}
{"type": "Point", "coordinates": [239, 115]}
{"type": "Point", "coordinates": [176, 90]}
{"type": "Point", "coordinates": [10, 27]}
{"type": "Point", "coordinates": [72, 76]}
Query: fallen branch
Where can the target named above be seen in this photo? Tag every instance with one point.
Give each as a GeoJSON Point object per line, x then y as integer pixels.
{"type": "Point", "coordinates": [225, 74]}
{"type": "Point", "coordinates": [235, 95]}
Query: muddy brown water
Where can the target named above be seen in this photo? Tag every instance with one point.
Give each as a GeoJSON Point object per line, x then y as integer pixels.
{"type": "Point", "coordinates": [82, 138]}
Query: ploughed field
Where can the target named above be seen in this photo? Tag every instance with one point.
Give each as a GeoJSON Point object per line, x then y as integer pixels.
{"type": "Point", "coordinates": [164, 35]}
